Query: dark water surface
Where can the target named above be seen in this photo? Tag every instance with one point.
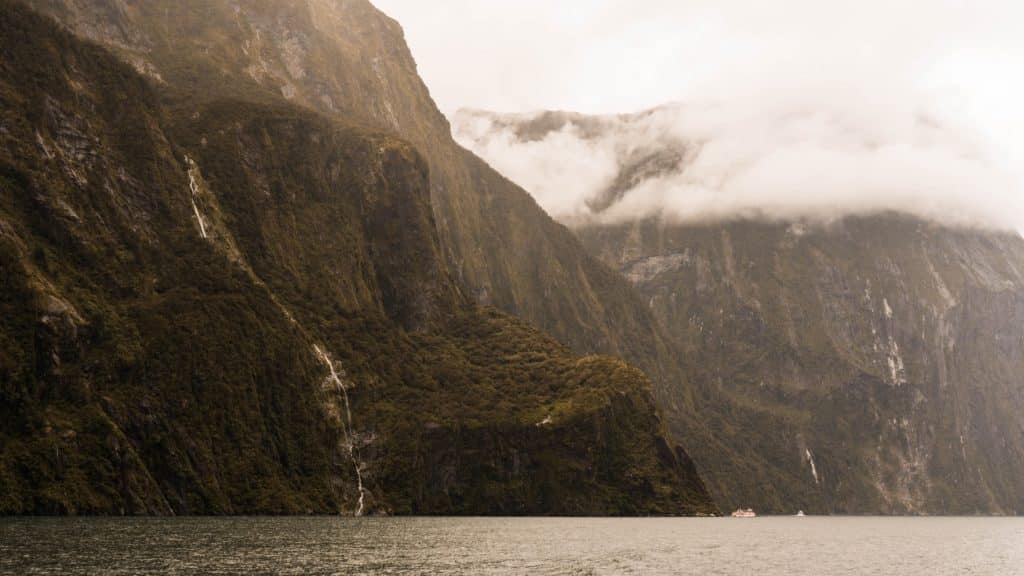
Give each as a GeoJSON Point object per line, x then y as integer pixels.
{"type": "Point", "coordinates": [761, 546]}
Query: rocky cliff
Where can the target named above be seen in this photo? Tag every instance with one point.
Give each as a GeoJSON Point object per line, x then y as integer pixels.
{"type": "Point", "coordinates": [867, 364]}
{"type": "Point", "coordinates": [218, 297]}
{"type": "Point", "coordinates": [344, 58]}
{"type": "Point", "coordinates": [883, 353]}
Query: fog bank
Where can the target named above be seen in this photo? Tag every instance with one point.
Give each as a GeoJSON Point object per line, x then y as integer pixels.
{"type": "Point", "coordinates": [797, 107]}
{"type": "Point", "coordinates": [815, 155]}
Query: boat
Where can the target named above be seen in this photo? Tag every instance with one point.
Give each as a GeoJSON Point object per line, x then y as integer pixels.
{"type": "Point", "coordinates": [800, 514]}
{"type": "Point", "coordinates": [748, 513]}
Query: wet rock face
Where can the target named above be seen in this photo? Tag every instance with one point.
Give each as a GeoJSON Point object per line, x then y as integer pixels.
{"type": "Point", "coordinates": [104, 21]}
{"type": "Point", "coordinates": [340, 57]}
{"type": "Point", "coordinates": [891, 347]}
{"type": "Point", "coordinates": [347, 60]}
{"type": "Point", "coordinates": [228, 303]}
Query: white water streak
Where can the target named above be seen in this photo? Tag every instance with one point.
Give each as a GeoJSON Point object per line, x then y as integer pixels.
{"type": "Point", "coordinates": [339, 383]}
{"type": "Point", "coordinates": [814, 469]}
{"type": "Point", "coordinates": [897, 368]}
{"type": "Point", "coordinates": [194, 187]}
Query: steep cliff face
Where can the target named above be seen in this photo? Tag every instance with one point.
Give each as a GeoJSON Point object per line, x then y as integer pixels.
{"type": "Point", "coordinates": [221, 302]}
{"type": "Point", "coordinates": [343, 58]}
{"type": "Point", "coordinates": [867, 365]}
{"type": "Point", "coordinates": [889, 347]}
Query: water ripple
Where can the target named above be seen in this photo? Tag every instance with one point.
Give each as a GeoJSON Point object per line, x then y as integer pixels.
{"type": "Point", "coordinates": [502, 546]}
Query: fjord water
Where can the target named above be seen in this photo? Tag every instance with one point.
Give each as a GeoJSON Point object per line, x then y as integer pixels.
{"type": "Point", "coordinates": [446, 546]}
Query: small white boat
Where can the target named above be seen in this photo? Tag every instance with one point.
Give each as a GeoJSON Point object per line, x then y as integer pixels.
{"type": "Point", "coordinates": [748, 513]}
{"type": "Point", "coordinates": [800, 514]}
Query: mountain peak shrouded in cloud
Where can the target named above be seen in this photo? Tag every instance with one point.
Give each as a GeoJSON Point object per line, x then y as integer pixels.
{"type": "Point", "coordinates": [792, 108]}
{"type": "Point", "coordinates": [813, 156]}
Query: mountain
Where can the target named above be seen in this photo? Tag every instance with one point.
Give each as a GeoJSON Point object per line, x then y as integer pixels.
{"type": "Point", "coordinates": [819, 435]}
{"type": "Point", "coordinates": [861, 364]}
{"type": "Point", "coordinates": [344, 58]}
{"type": "Point", "coordinates": [227, 288]}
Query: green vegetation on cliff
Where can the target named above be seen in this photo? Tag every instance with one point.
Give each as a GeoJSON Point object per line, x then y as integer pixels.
{"type": "Point", "coordinates": [217, 301]}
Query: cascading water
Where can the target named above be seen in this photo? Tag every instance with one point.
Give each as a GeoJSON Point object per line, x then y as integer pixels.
{"type": "Point", "coordinates": [339, 382]}
{"type": "Point", "coordinates": [194, 188]}
{"type": "Point", "coordinates": [814, 469]}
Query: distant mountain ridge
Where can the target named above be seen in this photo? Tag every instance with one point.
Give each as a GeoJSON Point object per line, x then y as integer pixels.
{"type": "Point", "coordinates": [871, 364]}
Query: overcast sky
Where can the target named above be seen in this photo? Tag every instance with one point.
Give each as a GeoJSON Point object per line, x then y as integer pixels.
{"type": "Point", "coordinates": [621, 55]}
{"type": "Point", "coordinates": [959, 61]}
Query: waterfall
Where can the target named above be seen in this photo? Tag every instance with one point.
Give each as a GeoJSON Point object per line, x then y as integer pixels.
{"type": "Point", "coordinates": [194, 188]}
{"type": "Point", "coordinates": [338, 380]}
{"type": "Point", "coordinates": [814, 469]}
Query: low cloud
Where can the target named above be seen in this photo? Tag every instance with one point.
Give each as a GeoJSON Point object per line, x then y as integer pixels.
{"type": "Point", "coordinates": [817, 155]}
{"type": "Point", "coordinates": [788, 109]}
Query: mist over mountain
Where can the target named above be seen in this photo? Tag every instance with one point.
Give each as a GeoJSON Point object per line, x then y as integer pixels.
{"type": "Point", "coordinates": [249, 270]}
{"type": "Point", "coordinates": [838, 304]}
{"type": "Point", "coordinates": [816, 157]}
